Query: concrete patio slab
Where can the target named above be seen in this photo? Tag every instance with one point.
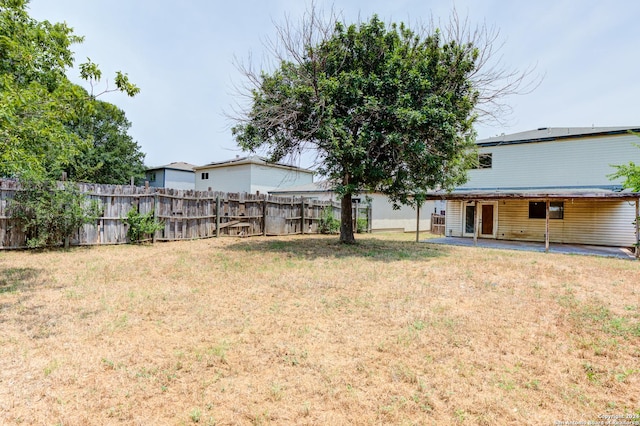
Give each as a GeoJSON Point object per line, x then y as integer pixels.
{"type": "Point", "coordinates": [618, 252]}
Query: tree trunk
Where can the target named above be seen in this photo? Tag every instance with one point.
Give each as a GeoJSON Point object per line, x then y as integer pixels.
{"type": "Point", "coordinates": [346, 221]}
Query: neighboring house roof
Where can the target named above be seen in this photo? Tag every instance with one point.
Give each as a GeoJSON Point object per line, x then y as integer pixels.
{"type": "Point", "coordinates": [179, 165]}
{"type": "Point", "coordinates": [547, 134]}
{"type": "Point", "coordinates": [251, 159]}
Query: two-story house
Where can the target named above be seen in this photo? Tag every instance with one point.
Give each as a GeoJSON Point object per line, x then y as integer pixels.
{"type": "Point", "coordinates": [249, 174]}
{"type": "Point", "coordinates": [549, 185]}
{"type": "Point", "coordinates": [176, 175]}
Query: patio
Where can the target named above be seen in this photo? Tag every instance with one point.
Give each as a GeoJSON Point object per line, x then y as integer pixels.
{"type": "Point", "coordinates": [619, 252]}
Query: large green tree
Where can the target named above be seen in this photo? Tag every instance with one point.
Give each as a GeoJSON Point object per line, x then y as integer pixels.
{"type": "Point", "coordinates": [43, 115]}
{"type": "Point", "coordinates": [111, 156]}
{"type": "Point", "coordinates": [385, 109]}
{"type": "Point", "coordinates": [630, 173]}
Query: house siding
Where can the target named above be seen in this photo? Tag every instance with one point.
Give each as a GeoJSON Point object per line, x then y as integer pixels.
{"type": "Point", "coordinates": [158, 181]}
{"type": "Point", "coordinates": [606, 223]}
{"type": "Point", "coordinates": [178, 179]}
{"type": "Point", "coordinates": [225, 179]}
{"type": "Point", "coordinates": [453, 218]}
{"type": "Point", "coordinates": [249, 177]}
{"type": "Point", "coordinates": [385, 218]}
{"type": "Point", "coordinates": [582, 162]}
{"type": "Point", "coordinates": [266, 178]}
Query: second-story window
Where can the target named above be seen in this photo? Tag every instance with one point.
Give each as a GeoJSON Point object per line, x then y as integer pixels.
{"type": "Point", "coordinates": [204, 175]}
{"type": "Point", "coordinates": [485, 161]}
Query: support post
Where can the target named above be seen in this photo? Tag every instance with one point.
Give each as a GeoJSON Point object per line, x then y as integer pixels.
{"type": "Point", "coordinates": [217, 216]}
{"type": "Point", "coordinates": [476, 224]}
{"type": "Point", "coordinates": [546, 226]}
{"type": "Point", "coordinates": [637, 228]}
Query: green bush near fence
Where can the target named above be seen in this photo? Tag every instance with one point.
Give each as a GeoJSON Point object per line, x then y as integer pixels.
{"type": "Point", "coordinates": [362, 225]}
{"type": "Point", "coordinates": [328, 224]}
{"type": "Point", "coordinates": [140, 226]}
{"type": "Point", "coordinates": [49, 213]}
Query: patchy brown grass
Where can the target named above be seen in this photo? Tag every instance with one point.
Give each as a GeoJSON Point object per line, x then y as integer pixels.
{"type": "Point", "coordinates": [301, 330]}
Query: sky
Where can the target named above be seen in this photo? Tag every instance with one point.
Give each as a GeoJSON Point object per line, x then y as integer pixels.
{"type": "Point", "coordinates": [183, 55]}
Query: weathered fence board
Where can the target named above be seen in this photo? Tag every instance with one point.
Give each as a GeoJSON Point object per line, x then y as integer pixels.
{"type": "Point", "coordinates": [437, 224]}
{"type": "Point", "coordinates": [185, 214]}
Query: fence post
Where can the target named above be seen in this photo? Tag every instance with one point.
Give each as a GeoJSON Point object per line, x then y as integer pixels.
{"type": "Point", "coordinates": [155, 215]}
{"type": "Point", "coordinates": [217, 216]}
{"type": "Point", "coordinates": [302, 214]}
{"type": "Point", "coordinates": [264, 215]}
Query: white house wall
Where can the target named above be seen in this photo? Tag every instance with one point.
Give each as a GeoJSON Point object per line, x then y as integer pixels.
{"type": "Point", "coordinates": [268, 178]}
{"type": "Point", "coordinates": [225, 179]}
{"type": "Point", "coordinates": [250, 178]}
{"type": "Point", "coordinates": [178, 179]}
{"type": "Point", "coordinates": [601, 222]}
{"type": "Point", "coordinates": [560, 163]}
{"type": "Point", "coordinates": [385, 218]}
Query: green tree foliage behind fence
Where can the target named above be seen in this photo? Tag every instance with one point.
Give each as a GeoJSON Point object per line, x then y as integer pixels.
{"type": "Point", "coordinates": [184, 214]}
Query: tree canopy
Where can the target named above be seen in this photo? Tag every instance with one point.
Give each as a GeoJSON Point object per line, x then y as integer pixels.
{"type": "Point", "coordinates": [384, 108]}
{"type": "Point", "coordinates": [630, 172]}
{"type": "Point", "coordinates": [48, 124]}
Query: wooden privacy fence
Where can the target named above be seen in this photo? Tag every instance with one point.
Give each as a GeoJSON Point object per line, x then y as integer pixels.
{"type": "Point", "coordinates": [185, 214]}
{"type": "Point", "coordinates": [437, 224]}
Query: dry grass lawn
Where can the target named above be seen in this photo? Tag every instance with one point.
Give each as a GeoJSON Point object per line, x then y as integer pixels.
{"type": "Point", "coordinates": [302, 330]}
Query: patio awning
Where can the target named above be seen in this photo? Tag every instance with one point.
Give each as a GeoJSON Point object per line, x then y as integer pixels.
{"type": "Point", "coordinates": [593, 194]}
{"type": "Point", "coordinates": [546, 195]}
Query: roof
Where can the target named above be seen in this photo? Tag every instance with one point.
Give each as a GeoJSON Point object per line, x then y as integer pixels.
{"type": "Point", "coordinates": [546, 134]}
{"type": "Point", "coordinates": [251, 159]}
{"type": "Point", "coordinates": [535, 194]}
{"type": "Point", "coordinates": [179, 165]}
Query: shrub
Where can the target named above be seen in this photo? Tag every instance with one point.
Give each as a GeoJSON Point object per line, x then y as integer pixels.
{"type": "Point", "coordinates": [328, 224]}
{"type": "Point", "coordinates": [140, 226]}
{"type": "Point", "coordinates": [50, 212]}
{"type": "Point", "coordinates": [362, 225]}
